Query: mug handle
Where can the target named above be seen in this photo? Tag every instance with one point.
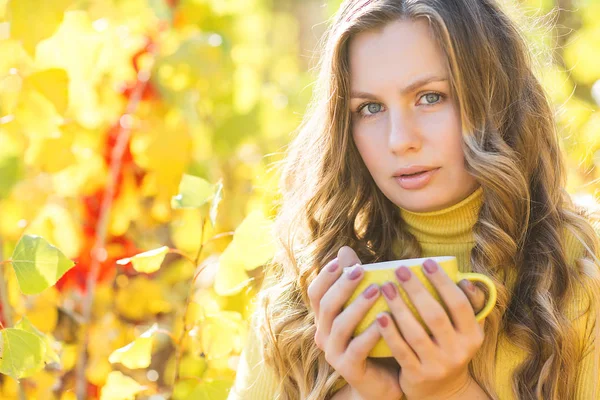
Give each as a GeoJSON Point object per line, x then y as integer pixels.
{"type": "Point", "coordinates": [492, 293]}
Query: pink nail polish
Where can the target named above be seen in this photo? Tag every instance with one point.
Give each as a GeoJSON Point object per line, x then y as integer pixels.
{"type": "Point", "coordinates": [382, 321]}
{"type": "Point", "coordinates": [430, 266]}
{"type": "Point", "coordinates": [356, 273]}
{"type": "Point", "coordinates": [389, 291]}
{"type": "Point", "coordinates": [371, 291]}
{"type": "Point", "coordinates": [333, 265]}
{"type": "Point", "coordinates": [403, 274]}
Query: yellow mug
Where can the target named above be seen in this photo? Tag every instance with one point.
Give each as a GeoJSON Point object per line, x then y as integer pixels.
{"type": "Point", "coordinates": [383, 272]}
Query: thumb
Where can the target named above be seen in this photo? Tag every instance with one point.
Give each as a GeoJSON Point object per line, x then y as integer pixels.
{"type": "Point", "coordinates": [475, 295]}
{"type": "Point", "coordinates": [347, 257]}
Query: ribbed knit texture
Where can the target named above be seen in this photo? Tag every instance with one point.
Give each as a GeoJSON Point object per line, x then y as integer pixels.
{"type": "Point", "coordinates": [441, 233]}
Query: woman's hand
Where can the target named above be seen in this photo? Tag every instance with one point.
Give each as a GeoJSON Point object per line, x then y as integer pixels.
{"type": "Point", "coordinates": [433, 367]}
{"type": "Point", "coordinates": [328, 293]}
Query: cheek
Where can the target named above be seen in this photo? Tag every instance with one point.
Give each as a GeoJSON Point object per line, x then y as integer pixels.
{"type": "Point", "coordinates": [369, 150]}
{"type": "Point", "coordinates": [445, 133]}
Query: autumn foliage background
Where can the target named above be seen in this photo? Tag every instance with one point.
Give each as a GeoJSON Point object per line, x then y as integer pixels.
{"type": "Point", "coordinates": [106, 105]}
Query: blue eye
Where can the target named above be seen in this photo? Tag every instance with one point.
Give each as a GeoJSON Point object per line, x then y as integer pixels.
{"type": "Point", "coordinates": [373, 108]}
{"type": "Point", "coordinates": [432, 98]}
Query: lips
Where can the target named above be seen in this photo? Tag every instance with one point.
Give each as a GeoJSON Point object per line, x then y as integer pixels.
{"type": "Point", "coordinates": [415, 178]}
{"type": "Point", "coordinates": [416, 173]}
{"type": "Point", "coordinates": [413, 170]}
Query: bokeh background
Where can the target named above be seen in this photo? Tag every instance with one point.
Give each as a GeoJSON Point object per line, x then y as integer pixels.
{"type": "Point", "coordinates": [105, 104]}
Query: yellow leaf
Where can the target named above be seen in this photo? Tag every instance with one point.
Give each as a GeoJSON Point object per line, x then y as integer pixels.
{"type": "Point", "coordinates": [68, 395]}
{"type": "Point", "coordinates": [3, 4]}
{"type": "Point", "coordinates": [14, 58]}
{"type": "Point", "coordinates": [87, 55]}
{"type": "Point", "coordinates": [142, 298]}
{"type": "Point", "coordinates": [97, 370]}
{"type": "Point", "coordinates": [84, 176]}
{"type": "Point", "coordinates": [185, 229]}
{"type": "Point", "coordinates": [136, 354]}
{"type": "Point", "coordinates": [221, 334]}
{"type": "Point", "coordinates": [120, 387]}
{"type": "Point", "coordinates": [50, 154]}
{"type": "Point", "coordinates": [37, 117]}
{"type": "Point", "coordinates": [582, 55]}
{"type": "Point", "coordinates": [248, 86]}
{"type": "Point", "coordinates": [253, 240]}
{"type": "Point", "coordinates": [231, 276]}
{"type": "Point", "coordinates": [44, 384]}
{"type": "Point", "coordinates": [148, 262]}
{"type": "Point", "coordinates": [53, 85]}
{"type": "Point", "coordinates": [48, 16]}
{"type": "Point", "coordinates": [190, 365]}
{"type": "Point", "coordinates": [251, 247]}
{"type": "Point", "coordinates": [68, 356]}
{"type": "Point", "coordinates": [163, 150]}
{"type": "Point", "coordinates": [42, 309]}
{"type": "Point", "coordinates": [111, 332]}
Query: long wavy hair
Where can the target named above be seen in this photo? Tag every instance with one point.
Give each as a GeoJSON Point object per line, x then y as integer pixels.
{"type": "Point", "coordinates": [525, 226]}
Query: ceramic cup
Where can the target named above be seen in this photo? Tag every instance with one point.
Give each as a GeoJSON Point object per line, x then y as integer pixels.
{"type": "Point", "coordinates": [383, 272]}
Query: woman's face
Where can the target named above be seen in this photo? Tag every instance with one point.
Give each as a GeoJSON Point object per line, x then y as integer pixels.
{"type": "Point", "coordinates": [403, 118]}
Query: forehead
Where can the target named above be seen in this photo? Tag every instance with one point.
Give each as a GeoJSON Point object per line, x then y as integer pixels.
{"type": "Point", "coordinates": [400, 50]}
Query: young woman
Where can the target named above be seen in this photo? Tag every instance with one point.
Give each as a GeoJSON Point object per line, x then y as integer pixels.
{"type": "Point", "coordinates": [429, 135]}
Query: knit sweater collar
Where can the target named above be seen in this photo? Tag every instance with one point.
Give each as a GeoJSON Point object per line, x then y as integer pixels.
{"type": "Point", "coordinates": [453, 224]}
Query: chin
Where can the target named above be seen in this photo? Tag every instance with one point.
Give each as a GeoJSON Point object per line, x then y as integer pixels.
{"type": "Point", "coordinates": [422, 202]}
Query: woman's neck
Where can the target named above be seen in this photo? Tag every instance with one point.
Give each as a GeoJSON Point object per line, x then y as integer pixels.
{"type": "Point", "coordinates": [453, 224]}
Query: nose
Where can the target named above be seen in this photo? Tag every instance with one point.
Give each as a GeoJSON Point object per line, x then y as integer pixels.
{"type": "Point", "coordinates": [404, 135]}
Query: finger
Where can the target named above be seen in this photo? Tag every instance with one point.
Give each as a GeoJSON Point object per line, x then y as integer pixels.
{"type": "Point", "coordinates": [410, 329]}
{"type": "Point", "coordinates": [347, 257]}
{"type": "Point", "coordinates": [345, 323]}
{"type": "Point", "coordinates": [475, 295]}
{"type": "Point", "coordinates": [430, 310]}
{"type": "Point", "coordinates": [360, 347]}
{"type": "Point", "coordinates": [401, 351]}
{"type": "Point", "coordinates": [459, 308]}
{"type": "Point", "coordinates": [319, 286]}
{"type": "Point", "coordinates": [334, 299]}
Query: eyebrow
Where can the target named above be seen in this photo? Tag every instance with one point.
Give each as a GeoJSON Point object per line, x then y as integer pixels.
{"type": "Point", "coordinates": [407, 89]}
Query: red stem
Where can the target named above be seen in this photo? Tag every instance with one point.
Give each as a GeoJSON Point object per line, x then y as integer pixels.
{"type": "Point", "coordinates": [118, 151]}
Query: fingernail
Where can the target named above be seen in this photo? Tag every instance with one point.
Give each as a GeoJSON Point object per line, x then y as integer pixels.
{"type": "Point", "coordinates": [403, 274]}
{"type": "Point", "coordinates": [333, 265]}
{"type": "Point", "coordinates": [389, 290]}
{"type": "Point", "coordinates": [371, 291]}
{"type": "Point", "coordinates": [430, 266]}
{"type": "Point", "coordinates": [356, 272]}
{"type": "Point", "coordinates": [470, 286]}
{"type": "Point", "coordinates": [382, 321]}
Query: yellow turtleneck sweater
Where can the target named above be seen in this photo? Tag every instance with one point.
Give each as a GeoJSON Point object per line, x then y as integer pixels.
{"type": "Point", "coordinates": [442, 233]}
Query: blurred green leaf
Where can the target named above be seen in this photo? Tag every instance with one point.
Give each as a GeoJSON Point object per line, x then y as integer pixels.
{"type": "Point", "coordinates": [194, 192]}
{"type": "Point", "coordinates": [11, 171]}
{"type": "Point", "coordinates": [21, 353]}
{"type": "Point", "coordinates": [217, 389]}
{"type": "Point", "coordinates": [38, 265]}
{"type": "Point", "coordinates": [49, 355]}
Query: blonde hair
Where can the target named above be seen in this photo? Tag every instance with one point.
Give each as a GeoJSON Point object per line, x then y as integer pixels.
{"type": "Point", "coordinates": [511, 147]}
